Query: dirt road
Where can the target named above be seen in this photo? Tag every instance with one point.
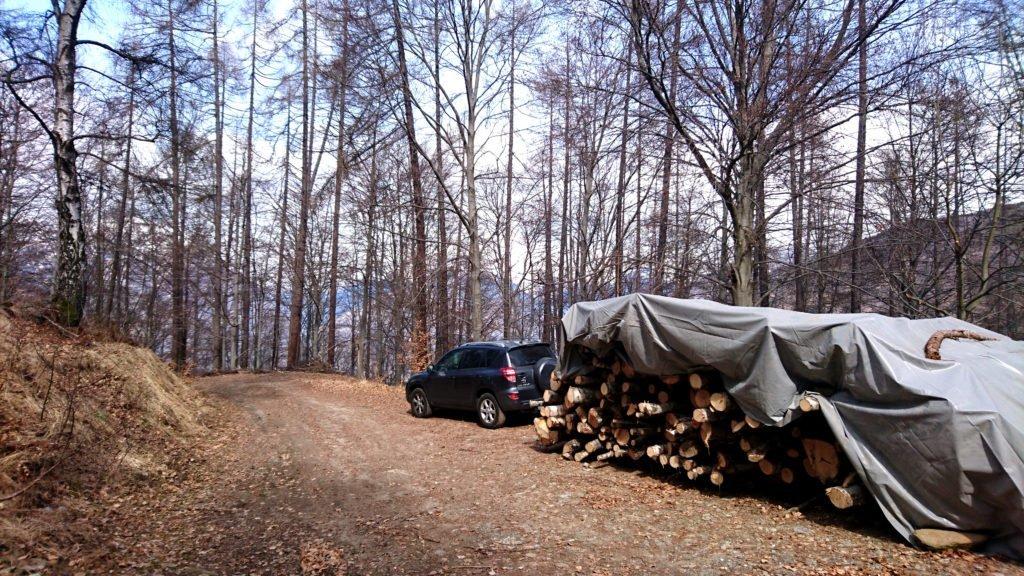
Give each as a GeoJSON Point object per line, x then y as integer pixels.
{"type": "Point", "coordinates": [321, 474]}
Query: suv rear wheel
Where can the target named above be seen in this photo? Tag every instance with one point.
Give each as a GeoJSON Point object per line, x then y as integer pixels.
{"type": "Point", "coordinates": [419, 404]}
{"type": "Point", "coordinates": [488, 412]}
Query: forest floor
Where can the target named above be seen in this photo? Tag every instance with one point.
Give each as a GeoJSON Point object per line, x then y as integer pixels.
{"type": "Point", "coordinates": [316, 474]}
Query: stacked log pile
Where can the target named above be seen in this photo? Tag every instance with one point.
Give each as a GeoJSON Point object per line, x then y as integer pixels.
{"type": "Point", "coordinates": [688, 424]}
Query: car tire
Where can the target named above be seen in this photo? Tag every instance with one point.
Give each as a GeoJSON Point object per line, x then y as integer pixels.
{"type": "Point", "coordinates": [419, 404]}
{"type": "Point", "coordinates": [488, 412]}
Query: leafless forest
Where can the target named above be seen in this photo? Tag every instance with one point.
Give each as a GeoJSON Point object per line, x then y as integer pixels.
{"type": "Point", "coordinates": [360, 184]}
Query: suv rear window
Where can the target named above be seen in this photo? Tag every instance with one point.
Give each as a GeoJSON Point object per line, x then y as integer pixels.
{"type": "Point", "coordinates": [529, 355]}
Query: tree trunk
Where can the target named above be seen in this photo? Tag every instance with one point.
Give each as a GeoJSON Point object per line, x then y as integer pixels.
{"type": "Point", "coordinates": [276, 331]}
{"type": "Point", "coordinates": [564, 233]}
{"type": "Point", "coordinates": [506, 280]}
{"type": "Point", "coordinates": [122, 311]}
{"type": "Point", "coordinates": [246, 257]}
{"type": "Point", "coordinates": [763, 280]}
{"type": "Point", "coordinates": [547, 330]}
{"type": "Point", "coordinates": [420, 339]}
{"type": "Point", "coordinates": [299, 266]}
{"type": "Point", "coordinates": [233, 254]}
{"type": "Point", "coordinates": [743, 233]}
{"type": "Point", "coordinates": [340, 171]}
{"type": "Point", "coordinates": [661, 250]}
{"type": "Point", "coordinates": [68, 297]}
{"type": "Point", "coordinates": [796, 206]}
{"type": "Point", "coordinates": [217, 311]}
{"type": "Point", "coordinates": [179, 327]}
{"type": "Point", "coordinates": [7, 181]}
{"type": "Point", "coordinates": [475, 296]}
{"type": "Point", "coordinates": [637, 215]}
{"type": "Point", "coordinates": [99, 240]}
{"type": "Point", "coordinates": [862, 123]}
{"type": "Point", "coordinates": [620, 189]}
{"type": "Point", "coordinates": [442, 330]}
{"type": "Point", "coordinates": [366, 316]}
{"type": "Point", "coordinates": [122, 205]}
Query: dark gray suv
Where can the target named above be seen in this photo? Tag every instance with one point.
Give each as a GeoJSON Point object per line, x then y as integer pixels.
{"type": "Point", "coordinates": [492, 378]}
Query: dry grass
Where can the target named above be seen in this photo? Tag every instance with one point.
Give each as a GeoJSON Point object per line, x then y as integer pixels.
{"type": "Point", "coordinates": [78, 416]}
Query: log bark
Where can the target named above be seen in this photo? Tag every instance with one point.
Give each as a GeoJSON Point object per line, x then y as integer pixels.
{"type": "Point", "coordinates": [931, 348]}
{"type": "Point", "coordinates": [553, 410]}
{"type": "Point", "coordinates": [570, 448]}
{"type": "Point", "coordinates": [653, 408]}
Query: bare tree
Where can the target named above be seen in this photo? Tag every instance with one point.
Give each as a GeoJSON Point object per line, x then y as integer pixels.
{"type": "Point", "coordinates": [729, 66]}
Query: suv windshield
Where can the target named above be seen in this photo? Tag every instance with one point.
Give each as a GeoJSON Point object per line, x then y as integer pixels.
{"type": "Point", "coordinates": [529, 355]}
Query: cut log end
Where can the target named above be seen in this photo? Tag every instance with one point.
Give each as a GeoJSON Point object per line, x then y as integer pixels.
{"type": "Point", "coordinates": [670, 379]}
{"type": "Point", "coordinates": [720, 402]}
{"type": "Point", "coordinates": [809, 404]}
{"type": "Point", "coordinates": [845, 497]}
{"type": "Point", "coordinates": [696, 382]}
{"type": "Point", "coordinates": [938, 539]}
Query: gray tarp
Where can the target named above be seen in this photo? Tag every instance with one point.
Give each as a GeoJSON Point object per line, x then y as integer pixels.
{"type": "Point", "coordinates": [939, 443]}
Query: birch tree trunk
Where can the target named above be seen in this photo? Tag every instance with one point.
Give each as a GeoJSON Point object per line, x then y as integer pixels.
{"type": "Point", "coordinates": [68, 297]}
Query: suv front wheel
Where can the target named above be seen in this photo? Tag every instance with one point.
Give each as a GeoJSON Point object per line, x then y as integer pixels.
{"type": "Point", "coordinates": [488, 412]}
{"type": "Point", "coordinates": [419, 404]}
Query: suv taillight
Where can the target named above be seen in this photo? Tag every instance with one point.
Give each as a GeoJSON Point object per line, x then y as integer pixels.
{"type": "Point", "coordinates": [509, 373]}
